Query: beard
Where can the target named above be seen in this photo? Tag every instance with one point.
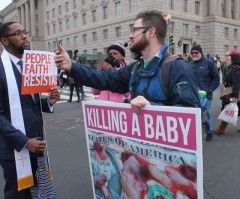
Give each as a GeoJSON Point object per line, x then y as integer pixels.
{"type": "Point", "coordinates": [139, 46]}
{"type": "Point", "coordinates": [18, 49]}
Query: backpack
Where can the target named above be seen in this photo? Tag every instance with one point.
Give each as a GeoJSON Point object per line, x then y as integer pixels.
{"type": "Point", "coordinates": [165, 75]}
{"type": "Point", "coordinates": [165, 70]}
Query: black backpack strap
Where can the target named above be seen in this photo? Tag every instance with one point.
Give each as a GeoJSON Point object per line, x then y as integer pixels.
{"type": "Point", "coordinates": [165, 73]}
{"type": "Point", "coordinates": [134, 70]}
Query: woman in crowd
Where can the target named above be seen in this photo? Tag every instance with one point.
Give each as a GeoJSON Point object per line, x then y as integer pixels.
{"type": "Point", "coordinates": [115, 61]}
{"type": "Point", "coordinates": [232, 79]}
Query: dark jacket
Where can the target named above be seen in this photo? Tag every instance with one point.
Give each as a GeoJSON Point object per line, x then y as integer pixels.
{"type": "Point", "coordinates": [121, 81]}
{"type": "Point", "coordinates": [11, 138]}
{"type": "Point", "coordinates": [232, 79]}
{"type": "Point", "coordinates": [208, 75]}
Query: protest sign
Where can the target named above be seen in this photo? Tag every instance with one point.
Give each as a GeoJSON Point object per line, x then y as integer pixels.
{"type": "Point", "coordinates": [155, 153]}
{"type": "Point", "coordinates": [39, 72]}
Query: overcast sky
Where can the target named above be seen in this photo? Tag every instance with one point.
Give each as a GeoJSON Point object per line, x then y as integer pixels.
{"type": "Point", "coordinates": [4, 3]}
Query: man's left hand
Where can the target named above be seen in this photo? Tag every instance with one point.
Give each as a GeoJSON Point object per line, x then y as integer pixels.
{"type": "Point", "coordinates": [138, 103]}
{"type": "Point", "coordinates": [54, 96]}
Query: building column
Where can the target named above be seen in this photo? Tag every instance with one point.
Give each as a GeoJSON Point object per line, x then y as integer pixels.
{"type": "Point", "coordinates": [236, 9]}
{"type": "Point", "coordinates": [228, 13]}
{"type": "Point", "coordinates": [22, 16]}
{"type": "Point", "coordinates": [27, 16]}
{"type": "Point", "coordinates": [212, 7]}
{"type": "Point", "coordinates": [32, 18]}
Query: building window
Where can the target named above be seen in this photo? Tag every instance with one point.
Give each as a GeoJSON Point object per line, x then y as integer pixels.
{"type": "Point", "coordinates": [94, 51]}
{"type": "Point", "coordinates": [67, 24]}
{"type": "Point", "coordinates": [94, 36]}
{"type": "Point", "coordinates": [60, 26]}
{"type": "Point", "coordinates": [171, 27]}
{"type": "Point", "coordinates": [235, 33]}
{"type": "Point", "coordinates": [197, 7]}
{"type": "Point", "coordinates": [47, 2]}
{"type": "Point", "coordinates": [105, 50]}
{"type": "Point", "coordinates": [105, 34]}
{"type": "Point", "coordinates": [235, 47]}
{"type": "Point", "coordinates": [67, 7]}
{"type": "Point", "coordinates": [226, 31]}
{"type": "Point", "coordinates": [48, 30]}
{"type": "Point", "coordinates": [54, 28]}
{"type": "Point", "coordinates": [118, 32]}
{"type": "Point", "coordinates": [75, 21]}
{"type": "Point", "coordinates": [93, 15]}
{"type": "Point", "coordinates": [232, 9]}
{"type": "Point", "coordinates": [132, 5]}
{"type": "Point", "coordinates": [185, 29]}
{"type": "Point", "coordinates": [84, 51]}
{"type": "Point", "coordinates": [105, 12]}
{"type": "Point", "coordinates": [53, 12]}
{"type": "Point", "coordinates": [37, 19]}
{"type": "Point", "coordinates": [197, 30]}
{"type": "Point", "coordinates": [48, 15]}
{"type": "Point", "coordinates": [49, 45]}
{"type": "Point", "coordinates": [185, 5]}
{"type": "Point", "coordinates": [84, 18]}
{"type": "Point", "coordinates": [171, 4]}
{"type": "Point", "coordinates": [74, 4]}
{"type": "Point", "coordinates": [117, 9]}
{"type": "Point", "coordinates": [223, 8]}
{"type": "Point", "coordinates": [75, 41]}
{"type": "Point", "coordinates": [131, 27]}
{"type": "Point", "coordinates": [59, 9]}
{"type": "Point", "coordinates": [68, 43]}
{"type": "Point", "coordinates": [83, 2]}
{"type": "Point", "coordinates": [84, 37]}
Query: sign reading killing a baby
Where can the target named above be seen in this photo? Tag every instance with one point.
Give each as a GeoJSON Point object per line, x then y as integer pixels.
{"type": "Point", "coordinates": [154, 154]}
{"type": "Point", "coordinates": [39, 72]}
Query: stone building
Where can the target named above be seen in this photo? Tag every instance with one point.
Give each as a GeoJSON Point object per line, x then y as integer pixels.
{"type": "Point", "coordinates": [90, 26]}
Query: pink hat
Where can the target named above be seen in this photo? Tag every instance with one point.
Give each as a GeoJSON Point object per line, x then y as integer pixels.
{"type": "Point", "coordinates": [232, 52]}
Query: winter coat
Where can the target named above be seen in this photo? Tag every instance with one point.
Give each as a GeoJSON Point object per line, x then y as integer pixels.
{"type": "Point", "coordinates": [208, 76]}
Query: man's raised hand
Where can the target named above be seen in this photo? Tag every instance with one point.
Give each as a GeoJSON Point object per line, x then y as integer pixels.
{"type": "Point", "coordinates": [62, 59]}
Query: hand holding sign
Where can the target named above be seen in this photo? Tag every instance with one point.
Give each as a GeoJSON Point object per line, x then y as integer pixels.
{"type": "Point", "coordinates": [39, 72]}
{"type": "Point", "coordinates": [138, 103]}
{"type": "Point", "coordinates": [54, 96]}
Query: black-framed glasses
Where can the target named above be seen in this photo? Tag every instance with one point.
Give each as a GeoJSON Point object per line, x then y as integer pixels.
{"type": "Point", "coordinates": [134, 29]}
{"type": "Point", "coordinates": [18, 33]}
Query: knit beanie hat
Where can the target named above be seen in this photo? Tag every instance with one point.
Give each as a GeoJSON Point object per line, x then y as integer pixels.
{"type": "Point", "coordinates": [197, 48]}
{"type": "Point", "coordinates": [117, 47]}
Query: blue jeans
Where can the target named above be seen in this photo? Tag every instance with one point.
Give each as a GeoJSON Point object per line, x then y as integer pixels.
{"type": "Point", "coordinates": [206, 104]}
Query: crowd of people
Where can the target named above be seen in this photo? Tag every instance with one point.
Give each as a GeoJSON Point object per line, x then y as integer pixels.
{"type": "Point", "coordinates": [114, 80]}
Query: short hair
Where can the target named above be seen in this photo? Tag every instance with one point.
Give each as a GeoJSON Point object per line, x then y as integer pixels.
{"type": "Point", "coordinates": [4, 28]}
{"type": "Point", "coordinates": [155, 19]}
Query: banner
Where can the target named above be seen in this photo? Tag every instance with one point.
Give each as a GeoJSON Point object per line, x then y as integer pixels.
{"type": "Point", "coordinates": [39, 72]}
{"type": "Point", "coordinates": [155, 154]}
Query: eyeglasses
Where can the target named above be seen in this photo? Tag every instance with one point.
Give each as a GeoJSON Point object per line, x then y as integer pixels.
{"type": "Point", "coordinates": [194, 53]}
{"type": "Point", "coordinates": [139, 28]}
{"type": "Point", "coordinates": [18, 33]}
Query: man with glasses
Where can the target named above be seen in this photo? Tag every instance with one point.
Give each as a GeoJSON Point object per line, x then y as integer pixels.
{"type": "Point", "coordinates": [21, 123]}
{"type": "Point", "coordinates": [208, 81]}
{"type": "Point", "coordinates": [141, 78]}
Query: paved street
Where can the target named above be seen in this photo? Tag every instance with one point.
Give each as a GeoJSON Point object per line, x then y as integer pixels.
{"type": "Point", "coordinates": [68, 156]}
